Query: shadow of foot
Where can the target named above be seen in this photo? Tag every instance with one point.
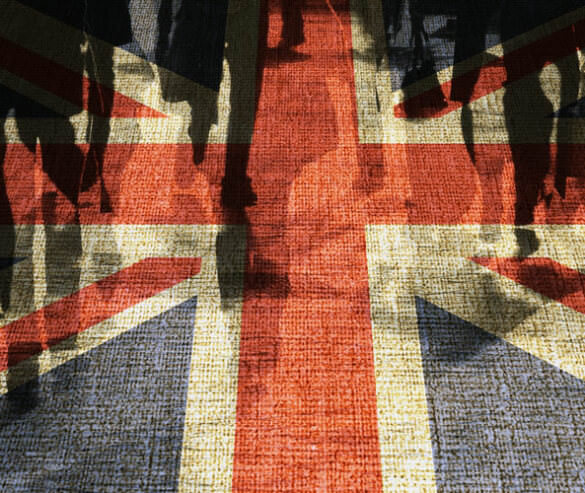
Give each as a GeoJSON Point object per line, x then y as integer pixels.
{"type": "Point", "coordinates": [527, 242]}
{"type": "Point", "coordinates": [237, 193]}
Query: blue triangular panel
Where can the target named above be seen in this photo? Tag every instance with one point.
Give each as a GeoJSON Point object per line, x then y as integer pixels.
{"type": "Point", "coordinates": [109, 420]}
{"type": "Point", "coordinates": [500, 418]}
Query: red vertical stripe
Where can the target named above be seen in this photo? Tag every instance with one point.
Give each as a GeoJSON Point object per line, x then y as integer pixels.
{"type": "Point", "coordinates": [306, 414]}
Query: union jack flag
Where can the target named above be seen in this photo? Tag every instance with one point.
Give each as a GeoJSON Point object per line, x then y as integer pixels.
{"type": "Point", "coordinates": [291, 246]}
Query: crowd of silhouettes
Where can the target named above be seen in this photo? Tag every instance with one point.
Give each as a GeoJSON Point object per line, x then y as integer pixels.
{"type": "Point", "coordinates": [191, 41]}
{"type": "Point", "coordinates": [523, 104]}
{"type": "Point", "coordinates": [70, 169]}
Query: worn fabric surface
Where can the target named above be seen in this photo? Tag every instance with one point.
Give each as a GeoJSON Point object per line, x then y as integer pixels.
{"type": "Point", "coordinates": [259, 245]}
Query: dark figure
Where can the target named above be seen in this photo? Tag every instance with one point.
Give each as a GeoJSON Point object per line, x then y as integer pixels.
{"type": "Point", "coordinates": [64, 163]}
{"type": "Point", "coordinates": [192, 43]}
{"type": "Point", "coordinates": [195, 41]}
{"type": "Point", "coordinates": [292, 33]}
{"type": "Point", "coordinates": [392, 11]}
{"type": "Point", "coordinates": [7, 244]}
{"type": "Point", "coordinates": [165, 23]}
{"type": "Point", "coordinates": [108, 20]}
{"type": "Point", "coordinates": [473, 20]}
{"type": "Point", "coordinates": [64, 166]}
{"type": "Point", "coordinates": [419, 34]}
{"type": "Point", "coordinates": [569, 159]}
{"type": "Point", "coordinates": [524, 108]}
{"type": "Point", "coordinates": [525, 102]}
{"type": "Point", "coordinates": [421, 62]}
{"type": "Point", "coordinates": [237, 189]}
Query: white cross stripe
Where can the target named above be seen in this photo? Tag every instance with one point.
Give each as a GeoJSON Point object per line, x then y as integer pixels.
{"type": "Point", "coordinates": [210, 415]}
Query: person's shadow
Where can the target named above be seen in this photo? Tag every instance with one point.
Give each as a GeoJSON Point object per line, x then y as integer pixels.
{"type": "Point", "coordinates": [529, 112]}
{"type": "Point", "coordinates": [192, 42]}
{"type": "Point", "coordinates": [69, 170]}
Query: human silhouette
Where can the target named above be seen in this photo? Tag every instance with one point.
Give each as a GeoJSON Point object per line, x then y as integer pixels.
{"type": "Point", "coordinates": [50, 134]}
{"type": "Point", "coordinates": [192, 43]}
{"type": "Point", "coordinates": [527, 108]}
{"type": "Point", "coordinates": [524, 109]}
{"type": "Point", "coordinates": [292, 33]}
{"type": "Point", "coordinates": [107, 20]}
{"type": "Point", "coordinates": [474, 18]}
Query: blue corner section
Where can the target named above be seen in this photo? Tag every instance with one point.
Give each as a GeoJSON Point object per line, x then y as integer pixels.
{"type": "Point", "coordinates": [575, 110]}
{"type": "Point", "coordinates": [9, 262]}
{"type": "Point", "coordinates": [500, 418]}
{"type": "Point", "coordinates": [110, 420]}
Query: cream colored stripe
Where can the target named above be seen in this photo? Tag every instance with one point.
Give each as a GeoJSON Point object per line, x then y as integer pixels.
{"type": "Point", "coordinates": [433, 262]}
{"type": "Point", "coordinates": [403, 421]}
{"type": "Point", "coordinates": [209, 437]}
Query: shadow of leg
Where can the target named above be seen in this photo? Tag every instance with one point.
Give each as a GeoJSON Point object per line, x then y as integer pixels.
{"type": "Point", "coordinates": [21, 381]}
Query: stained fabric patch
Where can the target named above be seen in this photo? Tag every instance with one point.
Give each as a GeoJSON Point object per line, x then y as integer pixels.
{"type": "Point", "coordinates": [109, 420]}
{"type": "Point", "coordinates": [500, 418]}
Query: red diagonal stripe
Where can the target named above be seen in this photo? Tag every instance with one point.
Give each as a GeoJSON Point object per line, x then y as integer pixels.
{"type": "Point", "coordinates": [91, 305]}
{"type": "Point", "coordinates": [63, 82]}
{"type": "Point", "coordinates": [543, 275]}
{"type": "Point", "coordinates": [493, 76]}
